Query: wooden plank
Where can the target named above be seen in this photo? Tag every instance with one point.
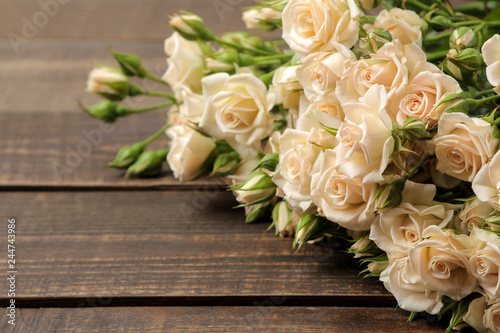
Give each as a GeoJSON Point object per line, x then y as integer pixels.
{"type": "Point", "coordinates": [217, 319]}
{"type": "Point", "coordinates": [111, 19]}
{"type": "Point", "coordinates": [71, 150]}
{"type": "Point", "coordinates": [166, 245]}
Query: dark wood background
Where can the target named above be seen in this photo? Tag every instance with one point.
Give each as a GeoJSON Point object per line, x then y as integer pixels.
{"type": "Point", "coordinates": [98, 253]}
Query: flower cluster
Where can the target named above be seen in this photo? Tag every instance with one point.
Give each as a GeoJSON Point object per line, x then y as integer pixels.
{"type": "Point", "coordinates": [380, 129]}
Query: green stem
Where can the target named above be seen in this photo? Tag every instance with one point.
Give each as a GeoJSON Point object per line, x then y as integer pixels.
{"type": "Point", "coordinates": [156, 135]}
{"type": "Point", "coordinates": [437, 38]}
{"type": "Point", "coordinates": [487, 99]}
{"type": "Point", "coordinates": [162, 94]}
{"type": "Point", "coordinates": [152, 108]}
{"type": "Point", "coordinates": [156, 79]}
{"type": "Point", "coordinates": [274, 57]}
{"type": "Point", "coordinates": [422, 6]}
{"type": "Point", "coordinates": [418, 166]}
{"type": "Point", "coordinates": [485, 92]}
{"type": "Point", "coordinates": [492, 23]}
{"type": "Point", "coordinates": [464, 23]}
{"type": "Point", "coordinates": [438, 55]}
{"type": "Point", "coordinates": [241, 47]}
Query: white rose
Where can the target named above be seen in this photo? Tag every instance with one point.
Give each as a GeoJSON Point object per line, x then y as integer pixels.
{"type": "Point", "coordinates": [286, 87]}
{"type": "Point", "coordinates": [442, 261]}
{"type": "Point", "coordinates": [293, 173]}
{"type": "Point", "coordinates": [473, 214]}
{"type": "Point", "coordinates": [237, 110]}
{"type": "Point", "coordinates": [252, 17]}
{"type": "Point", "coordinates": [475, 314]}
{"type": "Point", "coordinates": [425, 89]}
{"type": "Point", "coordinates": [409, 288]}
{"type": "Point", "coordinates": [486, 185]}
{"type": "Point", "coordinates": [312, 25]}
{"type": "Point", "coordinates": [404, 25]}
{"type": "Point", "coordinates": [185, 63]}
{"type": "Point", "coordinates": [320, 71]}
{"type": "Point", "coordinates": [390, 67]}
{"type": "Point", "coordinates": [463, 145]}
{"type": "Point", "coordinates": [326, 111]}
{"type": "Point", "coordinates": [491, 56]}
{"type": "Point", "coordinates": [491, 319]}
{"type": "Point", "coordinates": [192, 106]}
{"type": "Point", "coordinates": [188, 151]}
{"type": "Point", "coordinates": [365, 138]}
{"type": "Point", "coordinates": [485, 262]}
{"type": "Point", "coordinates": [344, 200]}
{"type": "Point", "coordinates": [397, 230]}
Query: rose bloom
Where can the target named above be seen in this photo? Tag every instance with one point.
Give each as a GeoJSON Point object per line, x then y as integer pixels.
{"type": "Point", "coordinates": [485, 262]}
{"type": "Point", "coordinates": [339, 198]}
{"type": "Point", "coordinates": [286, 87]}
{"type": "Point", "coordinates": [425, 89]}
{"type": "Point", "coordinates": [408, 287]}
{"type": "Point", "coordinates": [188, 151]}
{"type": "Point", "coordinates": [192, 106]}
{"type": "Point", "coordinates": [491, 56]}
{"type": "Point", "coordinates": [463, 145]}
{"type": "Point", "coordinates": [323, 112]}
{"type": "Point", "coordinates": [185, 63]}
{"type": "Point", "coordinates": [486, 184]}
{"type": "Point", "coordinates": [237, 110]}
{"type": "Point", "coordinates": [473, 214]}
{"type": "Point", "coordinates": [404, 25]}
{"type": "Point", "coordinates": [299, 151]}
{"type": "Point", "coordinates": [390, 67]}
{"type": "Point", "coordinates": [312, 25]}
{"type": "Point", "coordinates": [365, 138]}
{"type": "Point", "coordinates": [397, 230]}
{"type": "Point", "coordinates": [319, 72]}
{"type": "Point", "coordinates": [491, 319]}
{"type": "Point", "coordinates": [442, 261]}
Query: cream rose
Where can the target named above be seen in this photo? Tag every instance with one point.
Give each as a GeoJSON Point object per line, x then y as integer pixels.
{"type": "Point", "coordinates": [299, 151]}
{"type": "Point", "coordinates": [404, 25]}
{"type": "Point", "coordinates": [473, 214]}
{"type": "Point", "coordinates": [344, 200]}
{"type": "Point", "coordinates": [188, 151]}
{"type": "Point", "coordinates": [491, 319]}
{"type": "Point", "coordinates": [365, 138]}
{"type": "Point", "coordinates": [442, 261]}
{"type": "Point", "coordinates": [185, 63]}
{"type": "Point", "coordinates": [320, 71]}
{"type": "Point", "coordinates": [491, 56]}
{"type": "Point", "coordinates": [425, 89]}
{"type": "Point", "coordinates": [286, 87]}
{"type": "Point", "coordinates": [323, 112]}
{"type": "Point", "coordinates": [237, 110]}
{"type": "Point", "coordinates": [463, 145]}
{"type": "Point", "coordinates": [390, 67]}
{"type": "Point", "coordinates": [486, 185]}
{"type": "Point", "coordinates": [475, 314]}
{"type": "Point", "coordinates": [397, 230]}
{"type": "Point", "coordinates": [485, 262]}
{"type": "Point", "coordinates": [312, 25]}
{"type": "Point", "coordinates": [191, 107]}
{"type": "Point", "coordinates": [408, 287]}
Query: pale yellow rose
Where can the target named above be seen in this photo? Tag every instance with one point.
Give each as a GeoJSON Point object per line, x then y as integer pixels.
{"type": "Point", "coordinates": [237, 110]}
{"type": "Point", "coordinates": [404, 25]}
{"type": "Point", "coordinates": [326, 111]}
{"type": "Point", "coordinates": [312, 25]}
{"type": "Point", "coordinates": [491, 319]}
{"type": "Point", "coordinates": [473, 214]}
{"type": "Point", "coordinates": [485, 262]}
{"type": "Point", "coordinates": [188, 151]}
{"type": "Point", "coordinates": [486, 184]}
{"type": "Point", "coordinates": [463, 145]}
{"type": "Point", "coordinates": [491, 56]}
{"type": "Point", "coordinates": [286, 87]}
{"type": "Point", "coordinates": [475, 314]}
{"type": "Point", "coordinates": [185, 63]}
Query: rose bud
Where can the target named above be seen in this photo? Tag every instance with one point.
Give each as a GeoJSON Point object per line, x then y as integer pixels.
{"type": "Point", "coordinates": [191, 27]}
{"type": "Point", "coordinates": [130, 64]}
{"type": "Point", "coordinates": [149, 163]}
{"type": "Point", "coordinates": [226, 164]}
{"type": "Point", "coordinates": [109, 83]}
{"type": "Point", "coordinates": [127, 156]}
{"type": "Point", "coordinates": [463, 38]}
{"type": "Point", "coordinates": [368, 4]}
{"type": "Point", "coordinates": [258, 188]}
{"type": "Point", "coordinates": [282, 217]}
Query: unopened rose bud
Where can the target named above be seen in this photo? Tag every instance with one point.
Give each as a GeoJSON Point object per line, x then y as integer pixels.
{"type": "Point", "coordinates": [377, 38]}
{"type": "Point", "coordinates": [456, 102]}
{"type": "Point", "coordinates": [282, 218]}
{"type": "Point", "coordinates": [107, 111]}
{"type": "Point", "coordinates": [268, 162]}
{"type": "Point", "coordinates": [257, 212]}
{"type": "Point", "coordinates": [226, 164]}
{"type": "Point", "coordinates": [469, 60]}
{"type": "Point", "coordinates": [149, 163]}
{"type": "Point", "coordinates": [415, 129]}
{"type": "Point", "coordinates": [262, 18]}
{"type": "Point", "coordinates": [109, 83]}
{"type": "Point", "coordinates": [377, 267]}
{"type": "Point", "coordinates": [368, 4]}
{"type": "Point", "coordinates": [127, 156]}
{"type": "Point", "coordinates": [258, 188]}
{"type": "Point", "coordinates": [130, 64]}
{"type": "Point", "coordinates": [191, 27]}
{"type": "Point", "coordinates": [244, 39]}
{"type": "Point", "coordinates": [359, 248]}
{"type": "Point", "coordinates": [309, 228]}
{"type": "Point", "coordinates": [226, 60]}
{"type": "Point", "coordinates": [390, 195]}
{"type": "Point", "coordinates": [439, 23]}
{"type": "Point", "coordinates": [463, 38]}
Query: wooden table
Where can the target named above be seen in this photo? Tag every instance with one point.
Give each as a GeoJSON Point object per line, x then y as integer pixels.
{"type": "Point", "coordinates": [98, 253]}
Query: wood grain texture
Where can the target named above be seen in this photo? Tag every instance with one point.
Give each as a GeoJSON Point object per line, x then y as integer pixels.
{"type": "Point", "coordinates": [166, 244]}
{"type": "Point", "coordinates": [71, 150]}
{"type": "Point", "coordinates": [217, 319]}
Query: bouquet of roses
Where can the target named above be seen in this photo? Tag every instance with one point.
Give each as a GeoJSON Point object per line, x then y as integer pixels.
{"type": "Point", "coordinates": [381, 130]}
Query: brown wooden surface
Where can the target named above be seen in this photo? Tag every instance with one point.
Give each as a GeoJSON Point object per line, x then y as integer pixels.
{"type": "Point", "coordinates": [99, 253]}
